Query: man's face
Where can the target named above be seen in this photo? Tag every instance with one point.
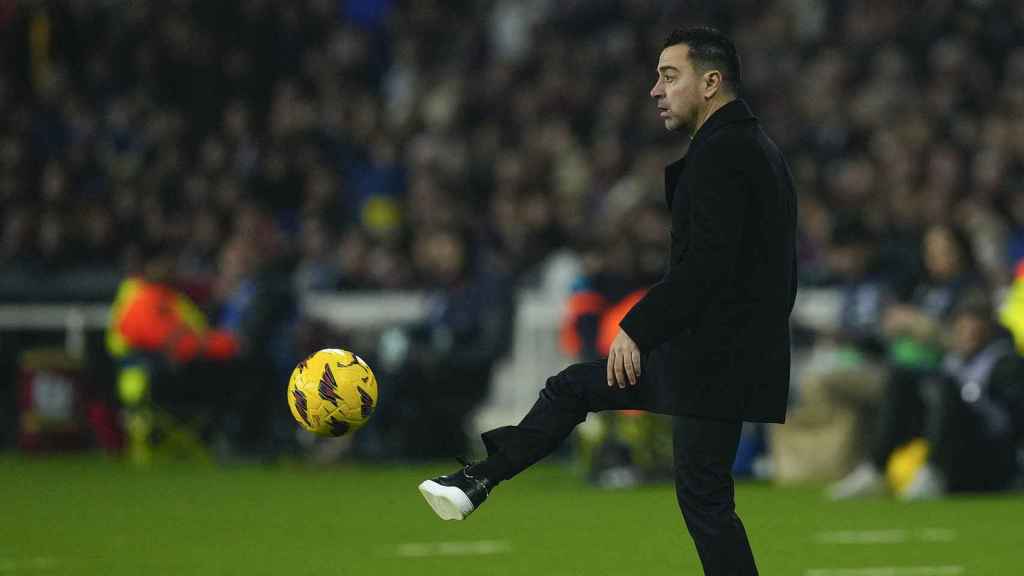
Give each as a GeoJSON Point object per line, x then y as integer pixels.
{"type": "Point", "coordinates": [441, 256]}
{"type": "Point", "coordinates": [160, 268]}
{"type": "Point", "coordinates": [969, 334]}
{"type": "Point", "coordinates": [678, 91]}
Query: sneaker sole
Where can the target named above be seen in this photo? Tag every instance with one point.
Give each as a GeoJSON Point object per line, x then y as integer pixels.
{"type": "Point", "coordinates": [448, 502]}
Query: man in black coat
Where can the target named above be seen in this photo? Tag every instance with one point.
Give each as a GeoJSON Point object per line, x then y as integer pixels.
{"type": "Point", "coordinates": [709, 344]}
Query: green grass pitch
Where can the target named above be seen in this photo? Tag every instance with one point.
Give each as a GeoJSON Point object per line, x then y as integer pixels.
{"type": "Point", "coordinates": [86, 515]}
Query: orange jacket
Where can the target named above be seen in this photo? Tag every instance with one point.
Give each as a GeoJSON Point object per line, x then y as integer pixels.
{"type": "Point", "coordinates": [587, 303]}
{"type": "Point", "coordinates": [155, 317]}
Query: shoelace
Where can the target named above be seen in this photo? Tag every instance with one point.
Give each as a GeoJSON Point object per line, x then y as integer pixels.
{"type": "Point", "coordinates": [466, 465]}
{"type": "Point", "coordinates": [481, 481]}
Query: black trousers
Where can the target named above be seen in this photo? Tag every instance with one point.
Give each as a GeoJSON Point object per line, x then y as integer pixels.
{"type": "Point", "coordinates": [704, 453]}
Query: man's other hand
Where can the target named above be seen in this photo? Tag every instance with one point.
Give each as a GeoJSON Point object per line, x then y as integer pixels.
{"type": "Point", "coordinates": [623, 361]}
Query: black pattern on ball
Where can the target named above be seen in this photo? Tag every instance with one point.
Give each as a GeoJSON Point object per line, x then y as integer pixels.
{"type": "Point", "coordinates": [300, 405]}
{"type": "Point", "coordinates": [328, 386]}
{"type": "Point", "coordinates": [366, 402]}
{"type": "Point", "coordinates": [338, 427]}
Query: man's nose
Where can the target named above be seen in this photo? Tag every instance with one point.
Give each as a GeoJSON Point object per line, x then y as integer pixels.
{"type": "Point", "coordinates": [656, 90]}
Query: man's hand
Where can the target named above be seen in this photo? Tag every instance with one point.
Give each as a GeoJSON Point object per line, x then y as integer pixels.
{"type": "Point", "coordinates": [899, 319]}
{"type": "Point", "coordinates": [623, 361]}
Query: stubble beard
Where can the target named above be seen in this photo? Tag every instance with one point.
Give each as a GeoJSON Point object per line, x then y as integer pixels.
{"type": "Point", "coordinates": [676, 124]}
{"type": "Point", "coordinates": [681, 124]}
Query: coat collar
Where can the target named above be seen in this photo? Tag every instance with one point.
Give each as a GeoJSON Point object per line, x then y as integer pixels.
{"type": "Point", "coordinates": [733, 112]}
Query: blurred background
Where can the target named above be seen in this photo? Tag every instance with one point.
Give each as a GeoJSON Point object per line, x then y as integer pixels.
{"type": "Point", "coordinates": [196, 195]}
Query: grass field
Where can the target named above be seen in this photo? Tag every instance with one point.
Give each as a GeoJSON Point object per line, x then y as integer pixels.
{"type": "Point", "coordinates": [85, 515]}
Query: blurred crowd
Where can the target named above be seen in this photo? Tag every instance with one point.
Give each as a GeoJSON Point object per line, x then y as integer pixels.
{"type": "Point", "coordinates": [381, 144]}
{"type": "Point", "coordinates": [134, 123]}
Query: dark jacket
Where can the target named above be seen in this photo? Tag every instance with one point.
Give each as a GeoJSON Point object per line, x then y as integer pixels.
{"type": "Point", "coordinates": [989, 383]}
{"type": "Point", "coordinates": [714, 333]}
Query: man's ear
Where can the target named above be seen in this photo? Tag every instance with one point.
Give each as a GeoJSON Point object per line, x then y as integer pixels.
{"type": "Point", "coordinates": [712, 80]}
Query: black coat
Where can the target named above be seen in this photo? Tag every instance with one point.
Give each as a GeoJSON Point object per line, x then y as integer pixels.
{"type": "Point", "coordinates": [714, 333]}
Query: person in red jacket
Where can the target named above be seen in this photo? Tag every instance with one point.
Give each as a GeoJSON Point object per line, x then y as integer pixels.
{"type": "Point", "coordinates": [156, 328]}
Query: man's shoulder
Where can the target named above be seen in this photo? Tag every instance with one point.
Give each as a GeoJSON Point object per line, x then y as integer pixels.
{"type": "Point", "coordinates": [739, 140]}
{"type": "Point", "coordinates": [728, 143]}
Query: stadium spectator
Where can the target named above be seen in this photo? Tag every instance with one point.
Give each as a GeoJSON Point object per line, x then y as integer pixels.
{"type": "Point", "coordinates": [156, 330]}
{"type": "Point", "coordinates": [256, 303]}
{"type": "Point", "coordinates": [969, 412]}
{"type": "Point", "coordinates": [449, 358]}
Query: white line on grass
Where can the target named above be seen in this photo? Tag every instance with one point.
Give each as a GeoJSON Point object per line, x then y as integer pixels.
{"type": "Point", "coordinates": [862, 537]}
{"type": "Point", "coordinates": [895, 536]}
{"type": "Point", "coordinates": [38, 564]}
{"type": "Point", "coordinates": [937, 535]}
{"type": "Point", "coordinates": [888, 571]}
{"type": "Point", "coordinates": [476, 548]}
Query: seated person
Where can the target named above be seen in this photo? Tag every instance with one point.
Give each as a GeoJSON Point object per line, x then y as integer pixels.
{"type": "Point", "coordinates": [968, 412]}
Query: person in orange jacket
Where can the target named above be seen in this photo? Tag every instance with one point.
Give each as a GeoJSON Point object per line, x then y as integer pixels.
{"type": "Point", "coordinates": [154, 325]}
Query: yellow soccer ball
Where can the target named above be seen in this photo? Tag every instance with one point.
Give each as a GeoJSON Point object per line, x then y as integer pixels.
{"type": "Point", "coordinates": [332, 392]}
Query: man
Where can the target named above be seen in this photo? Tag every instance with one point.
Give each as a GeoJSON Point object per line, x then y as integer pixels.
{"type": "Point", "coordinates": [709, 344]}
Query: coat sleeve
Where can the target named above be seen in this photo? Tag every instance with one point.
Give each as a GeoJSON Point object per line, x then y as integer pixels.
{"type": "Point", "coordinates": [717, 205]}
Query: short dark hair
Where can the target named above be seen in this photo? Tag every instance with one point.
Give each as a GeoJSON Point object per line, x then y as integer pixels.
{"type": "Point", "coordinates": [710, 49]}
{"type": "Point", "coordinates": [976, 302]}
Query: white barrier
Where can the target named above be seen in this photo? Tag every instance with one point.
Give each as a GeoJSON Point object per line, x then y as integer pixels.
{"type": "Point", "coordinates": [74, 319]}
{"type": "Point", "coordinates": [534, 354]}
{"type": "Point", "coordinates": [350, 310]}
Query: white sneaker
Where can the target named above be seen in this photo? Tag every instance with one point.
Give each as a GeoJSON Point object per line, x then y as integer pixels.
{"type": "Point", "coordinates": [865, 480]}
{"type": "Point", "coordinates": [927, 484]}
{"type": "Point", "coordinates": [457, 495]}
{"type": "Point", "coordinates": [448, 502]}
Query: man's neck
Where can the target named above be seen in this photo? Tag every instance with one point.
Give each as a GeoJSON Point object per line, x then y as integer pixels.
{"type": "Point", "coordinates": [713, 106]}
